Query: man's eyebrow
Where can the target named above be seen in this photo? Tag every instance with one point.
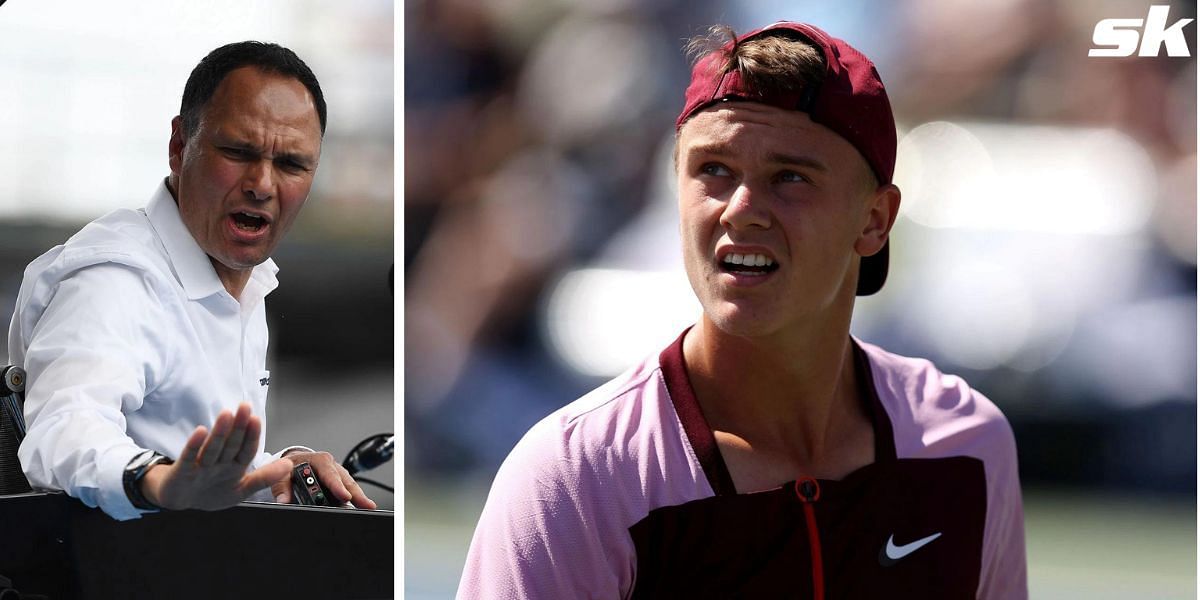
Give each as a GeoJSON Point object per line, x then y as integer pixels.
{"type": "Point", "coordinates": [719, 150]}
{"type": "Point", "coordinates": [799, 161]}
{"type": "Point", "coordinates": [711, 149]}
{"type": "Point", "coordinates": [236, 144]}
{"type": "Point", "coordinates": [301, 158]}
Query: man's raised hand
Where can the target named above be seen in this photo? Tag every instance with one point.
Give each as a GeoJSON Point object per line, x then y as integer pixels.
{"type": "Point", "coordinates": [211, 471]}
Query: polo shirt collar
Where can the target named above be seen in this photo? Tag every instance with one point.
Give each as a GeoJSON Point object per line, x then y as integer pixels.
{"type": "Point", "coordinates": [191, 265]}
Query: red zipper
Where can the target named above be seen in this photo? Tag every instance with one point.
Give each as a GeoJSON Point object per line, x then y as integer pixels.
{"type": "Point", "coordinates": [808, 492]}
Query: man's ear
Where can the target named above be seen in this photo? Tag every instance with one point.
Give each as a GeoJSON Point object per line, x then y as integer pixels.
{"type": "Point", "coordinates": [176, 146]}
{"type": "Point", "coordinates": [883, 207]}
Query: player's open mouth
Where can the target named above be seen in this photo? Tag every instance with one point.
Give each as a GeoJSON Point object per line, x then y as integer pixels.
{"type": "Point", "coordinates": [748, 264]}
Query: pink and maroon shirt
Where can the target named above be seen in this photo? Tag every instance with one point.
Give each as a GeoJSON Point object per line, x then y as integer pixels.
{"type": "Point", "coordinates": [624, 494]}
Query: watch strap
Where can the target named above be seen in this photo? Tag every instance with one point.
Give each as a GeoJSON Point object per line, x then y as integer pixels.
{"type": "Point", "coordinates": [135, 471]}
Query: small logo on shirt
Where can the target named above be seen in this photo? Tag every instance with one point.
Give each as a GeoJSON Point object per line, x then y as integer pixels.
{"type": "Point", "coordinates": [265, 381]}
{"type": "Point", "coordinates": [892, 553]}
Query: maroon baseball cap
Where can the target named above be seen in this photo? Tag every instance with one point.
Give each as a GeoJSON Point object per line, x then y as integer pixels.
{"type": "Point", "coordinates": [850, 101]}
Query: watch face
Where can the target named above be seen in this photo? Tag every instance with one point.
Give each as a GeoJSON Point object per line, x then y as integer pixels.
{"type": "Point", "coordinates": [134, 472]}
{"type": "Point", "coordinates": [141, 461]}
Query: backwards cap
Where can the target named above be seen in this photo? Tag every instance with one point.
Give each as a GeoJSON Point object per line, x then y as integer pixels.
{"type": "Point", "coordinates": [849, 100]}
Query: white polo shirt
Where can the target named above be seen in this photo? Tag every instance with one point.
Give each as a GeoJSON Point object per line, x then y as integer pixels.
{"type": "Point", "coordinates": [130, 341]}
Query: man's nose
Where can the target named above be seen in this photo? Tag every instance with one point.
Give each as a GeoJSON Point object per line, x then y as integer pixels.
{"type": "Point", "coordinates": [746, 208]}
{"type": "Point", "coordinates": [256, 182]}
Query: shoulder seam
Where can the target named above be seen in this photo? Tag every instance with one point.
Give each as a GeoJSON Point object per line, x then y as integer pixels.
{"type": "Point", "coordinates": [622, 391]}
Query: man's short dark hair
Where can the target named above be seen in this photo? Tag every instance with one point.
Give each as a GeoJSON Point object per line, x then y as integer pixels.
{"type": "Point", "coordinates": [270, 58]}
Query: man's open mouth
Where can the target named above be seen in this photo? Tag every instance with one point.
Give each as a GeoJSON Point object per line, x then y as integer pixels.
{"type": "Point", "coordinates": [748, 264]}
{"type": "Point", "coordinates": [248, 222]}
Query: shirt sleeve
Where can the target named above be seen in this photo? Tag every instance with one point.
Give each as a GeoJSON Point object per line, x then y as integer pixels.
{"type": "Point", "coordinates": [542, 532]}
{"type": "Point", "coordinates": [1003, 574]}
{"type": "Point", "coordinates": [90, 358]}
{"type": "Point", "coordinates": [266, 458]}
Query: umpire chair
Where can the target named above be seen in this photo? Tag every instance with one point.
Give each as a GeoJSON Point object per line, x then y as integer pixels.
{"type": "Point", "coordinates": [12, 430]}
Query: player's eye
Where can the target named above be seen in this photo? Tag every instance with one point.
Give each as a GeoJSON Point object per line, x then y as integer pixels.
{"type": "Point", "coordinates": [714, 170]}
{"type": "Point", "coordinates": [791, 177]}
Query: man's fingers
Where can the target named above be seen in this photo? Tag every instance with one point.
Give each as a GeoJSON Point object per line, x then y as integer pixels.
{"type": "Point", "coordinates": [233, 444]}
{"type": "Point", "coordinates": [211, 451]}
{"type": "Point", "coordinates": [266, 476]}
{"type": "Point", "coordinates": [191, 448]}
{"type": "Point", "coordinates": [332, 479]}
{"type": "Point", "coordinates": [282, 489]}
{"type": "Point", "coordinates": [358, 496]}
{"type": "Point", "coordinates": [238, 435]}
{"type": "Point", "coordinates": [332, 475]}
{"type": "Point", "coordinates": [249, 442]}
{"type": "Point", "coordinates": [343, 486]}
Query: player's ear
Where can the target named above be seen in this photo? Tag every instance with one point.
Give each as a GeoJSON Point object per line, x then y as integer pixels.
{"type": "Point", "coordinates": [176, 145]}
{"type": "Point", "coordinates": [882, 208]}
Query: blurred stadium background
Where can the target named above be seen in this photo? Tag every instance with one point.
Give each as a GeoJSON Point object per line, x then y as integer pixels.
{"type": "Point", "coordinates": [1046, 248]}
{"type": "Point", "coordinates": [87, 93]}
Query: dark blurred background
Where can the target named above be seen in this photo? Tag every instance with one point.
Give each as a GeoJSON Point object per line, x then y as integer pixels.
{"type": "Point", "coordinates": [1046, 248]}
{"type": "Point", "coordinates": [88, 91]}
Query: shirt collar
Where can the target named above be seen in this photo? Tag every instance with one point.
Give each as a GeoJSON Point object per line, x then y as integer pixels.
{"type": "Point", "coordinates": [192, 266]}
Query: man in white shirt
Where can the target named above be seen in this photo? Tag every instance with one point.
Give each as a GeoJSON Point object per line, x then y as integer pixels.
{"type": "Point", "coordinates": [144, 336]}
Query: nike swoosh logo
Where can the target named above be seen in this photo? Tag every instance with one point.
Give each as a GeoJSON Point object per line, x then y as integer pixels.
{"type": "Point", "coordinates": [892, 553]}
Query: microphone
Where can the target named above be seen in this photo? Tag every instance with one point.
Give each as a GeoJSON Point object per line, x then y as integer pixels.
{"type": "Point", "coordinates": [370, 453]}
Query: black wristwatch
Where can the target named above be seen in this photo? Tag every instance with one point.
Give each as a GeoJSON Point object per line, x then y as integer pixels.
{"type": "Point", "coordinates": [135, 471]}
